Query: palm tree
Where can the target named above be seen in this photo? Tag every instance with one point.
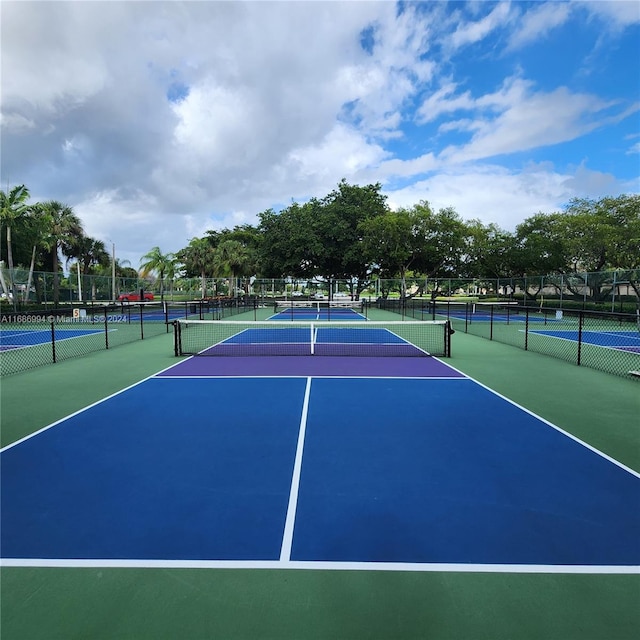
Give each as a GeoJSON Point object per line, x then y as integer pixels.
{"type": "Point", "coordinates": [90, 253]}
{"type": "Point", "coordinates": [232, 258]}
{"type": "Point", "coordinates": [164, 264]}
{"type": "Point", "coordinates": [65, 230]}
{"type": "Point", "coordinates": [38, 221]}
{"type": "Point", "coordinates": [13, 206]}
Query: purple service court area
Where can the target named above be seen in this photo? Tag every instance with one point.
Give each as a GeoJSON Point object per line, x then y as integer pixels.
{"type": "Point", "coordinates": [316, 366]}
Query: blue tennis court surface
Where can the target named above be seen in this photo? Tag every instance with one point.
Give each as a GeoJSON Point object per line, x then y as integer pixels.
{"type": "Point", "coordinates": [421, 467]}
{"type": "Point", "coordinates": [484, 313]}
{"type": "Point", "coordinates": [18, 338]}
{"type": "Point", "coordinates": [326, 340]}
{"type": "Point", "coordinates": [621, 340]}
{"type": "Point", "coordinates": [321, 314]}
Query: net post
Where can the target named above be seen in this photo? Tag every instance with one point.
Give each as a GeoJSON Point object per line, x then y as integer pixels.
{"type": "Point", "coordinates": [311, 341]}
{"type": "Point", "coordinates": [106, 330]}
{"type": "Point", "coordinates": [141, 322]}
{"type": "Point", "coordinates": [176, 324]}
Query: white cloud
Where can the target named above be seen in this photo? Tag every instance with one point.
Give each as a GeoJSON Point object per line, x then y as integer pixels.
{"type": "Point", "coordinates": [617, 13]}
{"type": "Point", "coordinates": [444, 101]}
{"type": "Point", "coordinates": [634, 149]}
{"type": "Point", "coordinates": [130, 221]}
{"type": "Point", "coordinates": [342, 152]}
{"type": "Point", "coordinates": [528, 120]}
{"type": "Point", "coordinates": [536, 23]}
{"type": "Point", "coordinates": [491, 193]}
{"type": "Point", "coordinates": [471, 32]}
{"type": "Point", "coordinates": [214, 124]}
{"type": "Point", "coordinates": [405, 168]}
{"type": "Point", "coordinates": [57, 38]}
{"type": "Point", "coordinates": [157, 121]}
{"type": "Point", "coordinates": [594, 184]}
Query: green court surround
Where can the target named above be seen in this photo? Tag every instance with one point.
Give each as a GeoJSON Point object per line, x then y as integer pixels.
{"type": "Point", "coordinates": [191, 604]}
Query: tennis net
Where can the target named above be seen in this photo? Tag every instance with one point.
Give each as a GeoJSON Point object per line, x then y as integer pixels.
{"type": "Point", "coordinates": [273, 338]}
{"type": "Point", "coordinates": [319, 305]}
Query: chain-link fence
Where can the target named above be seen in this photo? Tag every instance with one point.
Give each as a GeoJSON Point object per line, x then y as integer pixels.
{"type": "Point", "coordinates": [601, 340]}
{"type": "Point", "coordinates": [47, 336]}
{"type": "Point", "coordinates": [607, 290]}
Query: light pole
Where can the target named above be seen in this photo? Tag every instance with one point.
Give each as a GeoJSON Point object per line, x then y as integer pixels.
{"type": "Point", "coordinates": [113, 271]}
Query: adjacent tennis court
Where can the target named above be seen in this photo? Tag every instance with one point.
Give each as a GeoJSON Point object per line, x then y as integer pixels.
{"type": "Point", "coordinates": [620, 340]}
{"type": "Point", "coordinates": [314, 310]}
{"type": "Point", "coordinates": [315, 461]}
{"type": "Point", "coordinates": [19, 338]}
{"type": "Point", "coordinates": [498, 312]}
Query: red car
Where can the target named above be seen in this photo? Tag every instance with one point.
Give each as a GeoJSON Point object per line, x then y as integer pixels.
{"type": "Point", "coordinates": [134, 297]}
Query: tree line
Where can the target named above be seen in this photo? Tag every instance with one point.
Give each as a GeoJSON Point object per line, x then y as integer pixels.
{"type": "Point", "coordinates": [351, 234]}
{"type": "Point", "coordinates": [38, 236]}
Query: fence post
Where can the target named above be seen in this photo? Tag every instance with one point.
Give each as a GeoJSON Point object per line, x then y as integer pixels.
{"type": "Point", "coordinates": [491, 324]}
{"type": "Point", "coordinates": [53, 341]}
{"type": "Point", "coordinates": [580, 322]}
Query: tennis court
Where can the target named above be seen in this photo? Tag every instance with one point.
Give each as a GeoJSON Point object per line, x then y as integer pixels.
{"type": "Point", "coordinates": [313, 310]}
{"type": "Point", "coordinates": [620, 340]}
{"type": "Point", "coordinates": [306, 475]}
{"type": "Point", "coordinates": [499, 312]}
{"type": "Point", "coordinates": [18, 338]}
{"type": "Point", "coordinates": [316, 495]}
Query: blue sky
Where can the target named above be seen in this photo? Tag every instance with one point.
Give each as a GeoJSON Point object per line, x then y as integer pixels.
{"type": "Point", "coordinates": [159, 120]}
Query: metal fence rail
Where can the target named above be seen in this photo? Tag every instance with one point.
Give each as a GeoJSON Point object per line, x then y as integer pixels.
{"type": "Point", "coordinates": [600, 340]}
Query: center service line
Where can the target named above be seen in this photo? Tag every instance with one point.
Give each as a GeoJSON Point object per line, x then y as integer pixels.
{"type": "Point", "coordinates": [287, 538]}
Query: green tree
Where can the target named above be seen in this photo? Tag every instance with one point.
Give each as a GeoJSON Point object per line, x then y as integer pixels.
{"type": "Point", "coordinates": [491, 251]}
{"type": "Point", "coordinates": [323, 237]}
{"type": "Point", "coordinates": [541, 245]}
{"type": "Point", "coordinates": [390, 242]}
{"type": "Point", "coordinates": [232, 259]}
{"type": "Point", "coordinates": [415, 239]}
{"type": "Point", "coordinates": [198, 259]}
{"type": "Point", "coordinates": [288, 247]}
{"type": "Point", "coordinates": [90, 253]}
{"type": "Point", "coordinates": [337, 225]}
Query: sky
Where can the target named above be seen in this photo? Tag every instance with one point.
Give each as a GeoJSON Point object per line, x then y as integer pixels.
{"type": "Point", "coordinates": [157, 121]}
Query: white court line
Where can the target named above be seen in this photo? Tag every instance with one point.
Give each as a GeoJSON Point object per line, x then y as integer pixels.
{"type": "Point", "coordinates": [287, 538]}
{"type": "Point", "coordinates": [322, 566]}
